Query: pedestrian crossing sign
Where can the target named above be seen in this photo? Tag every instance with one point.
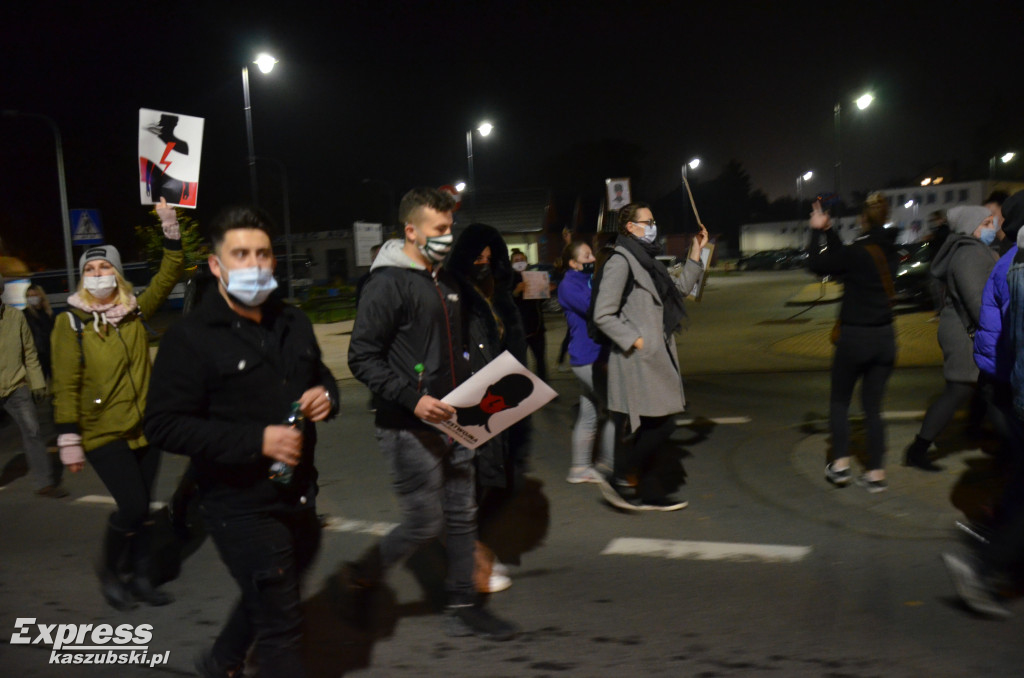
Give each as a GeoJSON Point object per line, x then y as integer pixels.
{"type": "Point", "coordinates": [85, 227]}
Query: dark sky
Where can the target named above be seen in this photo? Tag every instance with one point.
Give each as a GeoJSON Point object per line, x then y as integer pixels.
{"type": "Point", "coordinates": [385, 91]}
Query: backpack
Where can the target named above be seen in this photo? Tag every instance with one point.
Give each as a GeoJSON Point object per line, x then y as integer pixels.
{"type": "Point", "coordinates": [595, 283]}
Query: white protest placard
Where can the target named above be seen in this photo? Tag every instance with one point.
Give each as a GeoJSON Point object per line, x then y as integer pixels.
{"type": "Point", "coordinates": [618, 193]}
{"type": "Point", "coordinates": [169, 148]}
{"type": "Point", "coordinates": [538, 285]}
{"type": "Point", "coordinates": [493, 399]}
{"type": "Point", "coordinates": [366, 235]}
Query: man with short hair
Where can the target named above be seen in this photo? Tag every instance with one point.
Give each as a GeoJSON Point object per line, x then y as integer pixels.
{"type": "Point", "coordinates": [224, 380]}
{"type": "Point", "coordinates": [407, 347]}
{"type": "Point", "coordinates": [21, 382]}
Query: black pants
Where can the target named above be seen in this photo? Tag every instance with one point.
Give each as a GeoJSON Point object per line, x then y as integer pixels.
{"type": "Point", "coordinates": [998, 396]}
{"type": "Point", "coordinates": [267, 554]}
{"type": "Point", "coordinates": [537, 344]}
{"type": "Point", "coordinates": [129, 475]}
{"type": "Point", "coordinates": [865, 353]}
{"type": "Point", "coordinates": [941, 412]}
{"type": "Point", "coordinates": [639, 455]}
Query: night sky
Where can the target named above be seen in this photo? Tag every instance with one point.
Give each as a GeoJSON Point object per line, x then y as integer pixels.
{"type": "Point", "coordinates": [376, 97]}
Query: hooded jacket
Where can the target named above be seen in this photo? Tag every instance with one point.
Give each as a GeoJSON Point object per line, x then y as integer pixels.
{"type": "Point", "coordinates": [407, 317]}
{"type": "Point", "coordinates": [101, 374]}
{"type": "Point", "coordinates": [962, 265]}
{"type": "Point", "coordinates": [19, 364]}
{"type": "Point", "coordinates": [993, 353]}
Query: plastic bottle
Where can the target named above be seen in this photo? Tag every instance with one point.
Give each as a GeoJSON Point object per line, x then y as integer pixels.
{"type": "Point", "coordinates": [281, 472]}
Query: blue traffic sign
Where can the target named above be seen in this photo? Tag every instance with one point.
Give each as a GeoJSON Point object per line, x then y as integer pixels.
{"type": "Point", "coordinates": [86, 228]}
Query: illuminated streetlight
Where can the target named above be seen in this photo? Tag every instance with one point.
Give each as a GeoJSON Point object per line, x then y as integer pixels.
{"type": "Point", "coordinates": [1007, 157]}
{"type": "Point", "coordinates": [925, 182]}
{"type": "Point", "coordinates": [800, 180]}
{"type": "Point", "coordinates": [485, 128]}
{"type": "Point", "coordinates": [1004, 158]}
{"type": "Point", "coordinates": [863, 101]}
{"type": "Point", "coordinates": [461, 186]}
{"type": "Point", "coordinates": [265, 62]}
{"type": "Point", "coordinates": [937, 181]}
{"type": "Point", "coordinates": [908, 204]}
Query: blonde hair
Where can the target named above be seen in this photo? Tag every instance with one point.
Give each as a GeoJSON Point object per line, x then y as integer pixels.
{"type": "Point", "coordinates": [125, 291]}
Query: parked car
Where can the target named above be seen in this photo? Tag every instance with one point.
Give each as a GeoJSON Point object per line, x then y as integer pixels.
{"type": "Point", "coordinates": [767, 260]}
{"type": "Point", "coordinates": [792, 258]}
{"type": "Point", "coordinates": [913, 283]}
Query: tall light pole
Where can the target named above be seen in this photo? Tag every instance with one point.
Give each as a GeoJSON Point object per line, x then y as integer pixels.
{"type": "Point", "coordinates": [800, 180]}
{"type": "Point", "coordinates": [692, 164]}
{"type": "Point", "coordinates": [64, 213]}
{"type": "Point", "coordinates": [862, 102]}
{"type": "Point", "coordinates": [484, 129]}
{"type": "Point", "coordinates": [265, 63]}
{"type": "Point", "coordinates": [1004, 158]}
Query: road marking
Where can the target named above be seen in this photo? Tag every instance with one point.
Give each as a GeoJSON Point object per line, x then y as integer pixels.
{"type": "Point", "coordinates": [359, 526]}
{"type": "Point", "coordinates": [689, 421]}
{"type": "Point", "coordinates": [900, 415]}
{"type": "Point", "coordinates": [104, 500]}
{"type": "Point", "coordinates": [705, 550]}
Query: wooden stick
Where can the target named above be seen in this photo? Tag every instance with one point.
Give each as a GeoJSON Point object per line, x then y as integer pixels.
{"type": "Point", "coordinates": [692, 203]}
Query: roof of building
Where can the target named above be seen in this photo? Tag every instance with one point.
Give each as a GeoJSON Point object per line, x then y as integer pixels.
{"type": "Point", "coordinates": [518, 211]}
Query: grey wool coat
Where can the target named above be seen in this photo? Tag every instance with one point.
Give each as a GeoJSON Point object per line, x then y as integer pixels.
{"type": "Point", "coordinates": [642, 382]}
{"type": "Point", "coordinates": [962, 266]}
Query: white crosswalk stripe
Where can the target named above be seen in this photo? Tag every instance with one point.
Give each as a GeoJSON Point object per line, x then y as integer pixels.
{"type": "Point", "coordinates": [705, 550]}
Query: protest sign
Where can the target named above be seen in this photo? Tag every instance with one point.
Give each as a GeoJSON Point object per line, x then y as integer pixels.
{"type": "Point", "coordinates": [497, 396]}
{"type": "Point", "coordinates": [169, 148]}
{"type": "Point", "coordinates": [538, 285]}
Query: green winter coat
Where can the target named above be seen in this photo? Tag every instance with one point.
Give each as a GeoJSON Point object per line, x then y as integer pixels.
{"type": "Point", "coordinates": [100, 384]}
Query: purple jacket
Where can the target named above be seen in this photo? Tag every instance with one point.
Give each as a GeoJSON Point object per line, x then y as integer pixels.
{"type": "Point", "coordinates": [992, 350]}
{"type": "Point", "coordinates": [574, 297]}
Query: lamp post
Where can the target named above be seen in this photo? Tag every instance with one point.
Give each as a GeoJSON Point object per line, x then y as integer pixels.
{"type": "Point", "coordinates": [265, 63]}
{"type": "Point", "coordinates": [484, 129]}
{"type": "Point", "coordinates": [1004, 158]}
{"type": "Point", "coordinates": [65, 214]}
{"type": "Point", "coordinates": [287, 221]}
{"type": "Point", "coordinates": [800, 180]}
{"type": "Point", "coordinates": [692, 164]}
{"type": "Point", "coordinates": [862, 102]}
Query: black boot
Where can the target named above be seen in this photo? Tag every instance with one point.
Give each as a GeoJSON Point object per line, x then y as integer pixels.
{"type": "Point", "coordinates": [916, 456]}
{"type": "Point", "coordinates": [115, 545]}
{"type": "Point", "coordinates": [141, 582]}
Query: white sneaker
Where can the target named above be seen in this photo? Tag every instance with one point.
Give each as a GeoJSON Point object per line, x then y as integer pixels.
{"type": "Point", "coordinates": [498, 582]}
{"type": "Point", "coordinates": [582, 474]}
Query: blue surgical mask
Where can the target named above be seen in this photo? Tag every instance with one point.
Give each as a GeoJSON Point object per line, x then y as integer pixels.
{"type": "Point", "coordinates": [251, 286]}
{"type": "Point", "coordinates": [650, 233]}
{"type": "Point", "coordinates": [987, 235]}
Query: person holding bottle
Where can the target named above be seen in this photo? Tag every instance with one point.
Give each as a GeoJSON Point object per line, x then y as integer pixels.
{"type": "Point", "coordinates": [101, 369]}
{"type": "Point", "coordinates": [250, 359]}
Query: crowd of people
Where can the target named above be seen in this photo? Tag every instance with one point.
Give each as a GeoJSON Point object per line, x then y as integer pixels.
{"type": "Point", "coordinates": [434, 310]}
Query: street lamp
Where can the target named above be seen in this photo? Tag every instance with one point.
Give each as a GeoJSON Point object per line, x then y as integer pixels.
{"type": "Point", "coordinates": [65, 214]}
{"type": "Point", "coordinates": [692, 164]}
{"type": "Point", "coordinates": [485, 128]}
{"type": "Point", "coordinates": [863, 101]}
{"type": "Point", "coordinates": [800, 180]}
{"type": "Point", "coordinates": [1004, 158]}
{"type": "Point", "coordinates": [265, 63]}
{"type": "Point", "coordinates": [460, 186]}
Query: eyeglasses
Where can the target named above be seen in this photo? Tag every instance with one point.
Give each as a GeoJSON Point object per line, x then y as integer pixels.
{"type": "Point", "coordinates": [648, 222]}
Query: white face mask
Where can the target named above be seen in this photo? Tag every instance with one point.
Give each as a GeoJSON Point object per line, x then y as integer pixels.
{"type": "Point", "coordinates": [437, 246]}
{"type": "Point", "coordinates": [520, 266]}
{"type": "Point", "coordinates": [99, 286]}
{"type": "Point", "coordinates": [250, 286]}
{"type": "Point", "coordinates": [33, 301]}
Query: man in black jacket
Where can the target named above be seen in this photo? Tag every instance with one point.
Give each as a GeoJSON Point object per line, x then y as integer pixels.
{"type": "Point", "coordinates": [406, 347]}
{"type": "Point", "coordinates": [223, 383]}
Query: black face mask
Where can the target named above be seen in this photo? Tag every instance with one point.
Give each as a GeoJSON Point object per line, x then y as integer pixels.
{"type": "Point", "coordinates": [588, 267]}
{"type": "Point", "coordinates": [481, 272]}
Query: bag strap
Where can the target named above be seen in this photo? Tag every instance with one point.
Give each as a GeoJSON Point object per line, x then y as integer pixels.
{"type": "Point", "coordinates": [883, 271]}
{"type": "Point", "coordinates": [77, 326]}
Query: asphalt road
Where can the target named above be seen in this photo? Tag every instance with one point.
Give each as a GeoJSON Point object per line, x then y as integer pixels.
{"type": "Point", "coordinates": [769, 571]}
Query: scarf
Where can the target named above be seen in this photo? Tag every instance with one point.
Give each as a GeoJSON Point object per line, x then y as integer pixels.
{"type": "Point", "coordinates": [111, 313]}
{"type": "Point", "coordinates": [671, 297]}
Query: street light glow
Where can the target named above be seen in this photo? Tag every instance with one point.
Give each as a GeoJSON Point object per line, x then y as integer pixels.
{"type": "Point", "coordinates": [864, 101]}
{"type": "Point", "coordinates": [938, 180]}
{"type": "Point", "coordinates": [485, 129]}
{"type": "Point", "coordinates": [461, 186]}
{"type": "Point", "coordinates": [908, 204]}
{"type": "Point", "coordinates": [925, 182]}
{"type": "Point", "coordinates": [694, 164]}
{"type": "Point", "coordinates": [807, 175]}
{"type": "Point", "coordinates": [1008, 157]}
{"type": "Point", "coordinates": [265, 62]}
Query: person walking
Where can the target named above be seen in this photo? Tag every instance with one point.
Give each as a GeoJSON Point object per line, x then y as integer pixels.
{"type": "Point", "coordinates": [406, 347]}
{"type": "Point", "coordinates": [39, 316]}
{"type": "Point", "coordinates": [22, 384]}
{"type": "Point", "coordinates": [585, 358]}
{"type": "Point", "coordinates": [866, 345]}
{"type": "Point", "coordinates": [639, 306]}
{"type": "Point", "coordinates": [244, 412]}
{"type": "Point", "coordinates": [962, 267]}
{"type": "Point", "coordinates": [101, 370]}
{"type": "Point", "coordinates": [479, 262]}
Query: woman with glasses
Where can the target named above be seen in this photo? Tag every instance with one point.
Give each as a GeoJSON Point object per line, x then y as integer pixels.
{"type": "Point", "coordinates": [639, 307]}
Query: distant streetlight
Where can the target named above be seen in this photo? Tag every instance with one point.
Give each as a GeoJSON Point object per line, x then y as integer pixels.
{"type": "Point", "coordinates": [485, 128]}
{"type": "Point", "coordinates": [926, 181]}
{"type": "Point", "coordinates": [908, 204]}
{"type": "Point", "coordinates": [461, 186]}
{"type": "Point", "coordinates": [800, 180]}
{"type": "Point", "coordinates": [863, 101]}
{"type": "Point", "coordinates": [1007, 157]}
{"type": "Point", "coordinates": [65, 214]}
{"type": "Point", "coordinates": [265, 63]}
{"type": "Point", "coordinates": [937, 181]}
{"type": "Point", "coordinates": [1004, 158]}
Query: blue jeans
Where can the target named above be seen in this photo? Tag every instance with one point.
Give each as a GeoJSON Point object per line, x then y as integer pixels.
{"type": "Point", "coordinates": [592, 415]}
{"type": "Point", "coordinates": [266, 553]}
{"type": "Point", "coordinates": [433, 480]}
{"type": "Point", "coordinates": [21, 408]}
